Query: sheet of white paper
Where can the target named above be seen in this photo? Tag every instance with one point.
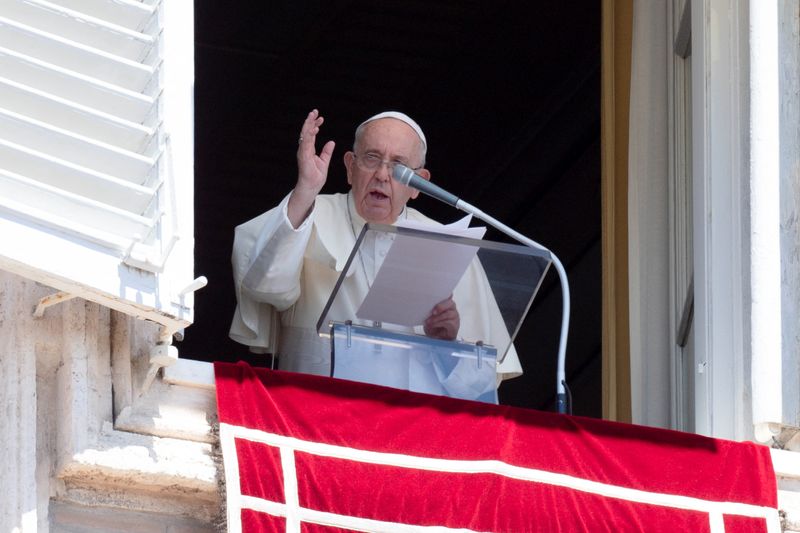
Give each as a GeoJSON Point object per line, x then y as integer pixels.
{"type": "Point", "coordinates": [452, 228]}
{"type": "Point", "coordinates": [417, 274]}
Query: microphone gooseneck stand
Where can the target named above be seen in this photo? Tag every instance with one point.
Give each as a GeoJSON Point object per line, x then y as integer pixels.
{"type": "Point", "coordinates": [406, 176]}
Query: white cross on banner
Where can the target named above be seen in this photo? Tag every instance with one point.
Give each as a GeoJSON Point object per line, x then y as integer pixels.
{"type": "Point", "coordinates": [312, 454]}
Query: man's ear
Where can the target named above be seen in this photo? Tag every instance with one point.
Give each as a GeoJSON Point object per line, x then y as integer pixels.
{"type": "Point", "coordinates": [349, 158]}
{"type": "Point", "coordinates": [423, 172]}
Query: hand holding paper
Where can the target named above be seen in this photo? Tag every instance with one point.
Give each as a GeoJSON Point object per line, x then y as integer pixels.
{"type": "Point", "coordinates": [444, 321]}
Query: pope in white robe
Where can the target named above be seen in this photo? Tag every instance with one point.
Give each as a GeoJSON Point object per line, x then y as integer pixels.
{"type": "Point", "coordinates": [286, 263]}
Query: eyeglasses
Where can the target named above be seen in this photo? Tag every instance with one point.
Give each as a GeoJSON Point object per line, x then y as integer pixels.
{"type": "Point", "coordinates": [372, 162]}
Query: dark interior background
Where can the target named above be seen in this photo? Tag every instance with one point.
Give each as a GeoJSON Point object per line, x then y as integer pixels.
{"type": "Point", "coordinates": [507, 92]}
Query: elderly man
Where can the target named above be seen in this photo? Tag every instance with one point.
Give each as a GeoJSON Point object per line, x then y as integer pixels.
{"type": "Point", "coordinates": [287, 260]}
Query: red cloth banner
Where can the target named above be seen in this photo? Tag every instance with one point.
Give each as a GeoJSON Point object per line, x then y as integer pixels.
{"type": "Point", "coordinates": [312, 454]}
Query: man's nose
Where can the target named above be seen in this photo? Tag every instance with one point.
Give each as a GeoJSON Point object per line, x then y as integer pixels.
{"type": "Point", "coordinates": [384, 172]}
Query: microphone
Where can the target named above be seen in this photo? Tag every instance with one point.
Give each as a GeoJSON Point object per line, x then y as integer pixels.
{"type": "Point", "coordinates": [406, 176]}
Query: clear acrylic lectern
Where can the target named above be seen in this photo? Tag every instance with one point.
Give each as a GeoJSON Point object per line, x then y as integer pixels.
{"type": "Point", "coordinates": [374, 319]}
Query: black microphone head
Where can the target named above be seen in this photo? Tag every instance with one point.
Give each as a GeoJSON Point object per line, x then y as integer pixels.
{"type": "Point", "coordinates": [402, 173]}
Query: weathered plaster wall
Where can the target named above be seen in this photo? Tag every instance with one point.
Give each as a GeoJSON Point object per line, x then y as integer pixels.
{"type": "Point", "coordinates": [62, 378]}
{"type": "Point", "coordinates": [18, 408]}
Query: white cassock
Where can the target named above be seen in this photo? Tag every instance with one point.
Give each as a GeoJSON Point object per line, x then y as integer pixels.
{"type": "Point", "coordinates": [284, 277]}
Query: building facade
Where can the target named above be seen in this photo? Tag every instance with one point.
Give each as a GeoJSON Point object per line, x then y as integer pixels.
{"type": "Point", "coordinates": [105, 427]}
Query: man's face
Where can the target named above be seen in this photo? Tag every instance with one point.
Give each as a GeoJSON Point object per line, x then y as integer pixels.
{"type": "Point", "coordinates": [379, 198]}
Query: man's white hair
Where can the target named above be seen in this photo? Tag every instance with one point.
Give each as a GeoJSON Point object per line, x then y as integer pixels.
{"type": "Point", "coordinates": [401, 117]}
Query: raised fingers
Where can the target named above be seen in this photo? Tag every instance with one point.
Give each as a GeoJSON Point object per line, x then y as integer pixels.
{"type": "Point", "coordinates": [309, 131]}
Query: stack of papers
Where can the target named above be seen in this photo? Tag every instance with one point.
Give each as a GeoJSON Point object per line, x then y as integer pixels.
{"type": "Point", "coordinates": [418, 273]}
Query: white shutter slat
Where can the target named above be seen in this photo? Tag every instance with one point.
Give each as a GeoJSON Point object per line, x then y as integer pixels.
{"type": "Point", "coordinates": [76, 87]}
{"type": "Point", "coordinates": [74, 56]}
{"type": "Point", "coordinates": [62, 174]}
{"type": "Point", "coordinates": [80, 28]}
{"type": "Point", "coordinates": [79, 150]}
{"type": "Point", "coordinates": [78, 118]}
{"type": "Point", "coordinates": [47, 218]}
{"type": "Point", "coordinates": [131, 14]}
{"type": "Point", "coordinates": [23, 195]}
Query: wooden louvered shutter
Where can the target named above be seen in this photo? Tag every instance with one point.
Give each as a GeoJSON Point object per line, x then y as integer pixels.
{"type": "Point", "coordinates": [96, 150]}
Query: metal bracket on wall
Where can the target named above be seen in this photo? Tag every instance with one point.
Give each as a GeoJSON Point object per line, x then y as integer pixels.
{"type": "Point", "coordinates": [49, 301]}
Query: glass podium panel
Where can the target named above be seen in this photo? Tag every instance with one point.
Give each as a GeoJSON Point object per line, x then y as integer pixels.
{"type": "Point", "coordinates": [414, 362]}
{"type": "Point", "coordinates": [389, 285]}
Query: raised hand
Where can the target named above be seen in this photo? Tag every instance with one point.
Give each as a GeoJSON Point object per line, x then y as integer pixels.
{"type": "Point", "coordinates": [312, 169]}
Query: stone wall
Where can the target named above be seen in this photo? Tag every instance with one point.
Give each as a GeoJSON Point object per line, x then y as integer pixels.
{"type": "Point", "coordinates": [83, 440]}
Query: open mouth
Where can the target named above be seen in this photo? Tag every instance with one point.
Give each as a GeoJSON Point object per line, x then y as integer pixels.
{"type": "Point", "coordinates": [377, 195]}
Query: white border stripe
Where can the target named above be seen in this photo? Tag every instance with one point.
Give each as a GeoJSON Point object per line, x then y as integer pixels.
{"type": "Point", "coordinates": [288, 445]}
{"type": "Point", "coordinates": [377, 526]}
{"type": "Point", "coordinates": [506, 470]}
{"type": "Point", "coordinates": [230, 461]}
{"type": "Point", "coordinates": [290, 491]}
{"type": "Point", "coordinates": [716, 524]}
{"type": "Point", "coordinates": [349, 522]}
{"type": "Point", "coordinates": [263, 506]}
{"type": "Point", "coordinates": [774, 522]}
{"type": "Point", "coordinates": [336, 520]}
